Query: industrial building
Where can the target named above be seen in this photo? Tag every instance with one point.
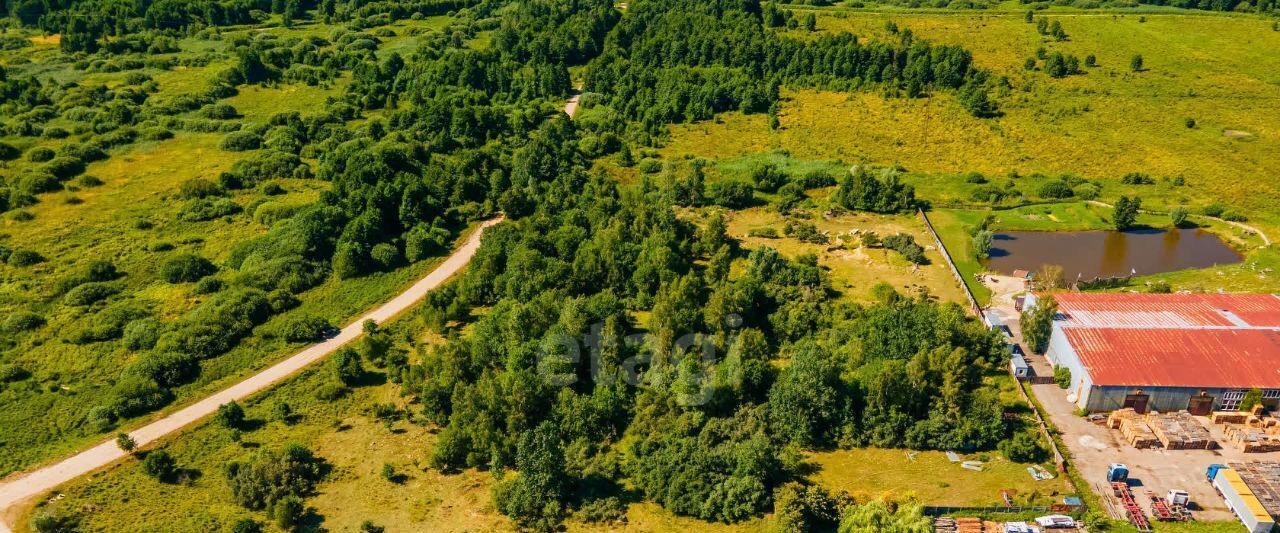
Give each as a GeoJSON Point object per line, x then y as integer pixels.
{"type": "Point", "coordinates": [1167, 352]}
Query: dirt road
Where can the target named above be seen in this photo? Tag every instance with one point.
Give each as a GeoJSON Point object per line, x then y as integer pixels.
{"type": "Point", "coordinates": [21, 488]}
{"type": "Point", "coordinates": [571, 106]}
{"type": "Point", "coordinates": [1254, 229]}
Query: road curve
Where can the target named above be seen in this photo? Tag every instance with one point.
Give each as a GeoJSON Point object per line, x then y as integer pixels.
{"type": "Point", "coordinates": [23, 487]}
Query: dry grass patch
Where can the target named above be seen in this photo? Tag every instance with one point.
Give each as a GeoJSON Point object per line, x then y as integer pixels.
{"type": "Point", "coordinates": [855, 269]}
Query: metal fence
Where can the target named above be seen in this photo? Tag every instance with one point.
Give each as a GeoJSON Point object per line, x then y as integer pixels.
{"type": "Point", "coordinates": [940, 511]}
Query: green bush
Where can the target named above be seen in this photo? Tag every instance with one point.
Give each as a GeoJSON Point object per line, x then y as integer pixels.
{"type": "Point", "coordinates": [141, 334]}
{"type": "Point", "coordinates": [1086, 191]}
{"type": "Point", "coordinates": [304, 328]}
{"type": "Point", "coordinates": [10, 373]}
{"type": "Point", "coordinates": [1062, 376]}
{"type": "Point", "coordinates": [241, 141]}
{"type": "Point", "coordinates": [906, 245]}
{"type": "Point", "coordinates": [135, 395]}
{"type": "Point", "coordinates": [186, 268]}
{"type": "Point", "coordinates": [160, 465]}
{"type": "Point", "coordinates": [90, 293]}
{"type": "Point", "coordinates": [199, 188]}
{"type": "Point", "coordinates": [22, 258]}
{"type": "Point", "coordinates": [731, 194]}
{"type": "Point", "coordinates": [1056, 189]}
{"type": "Point", "coordinates": [230, 415]}
{"type": "Point", "coordinates": [205, 209]}
{"type": "Point", "coordinates": [270, 476]}
{"type": "Point", "coordinates": [167, 369]}
{"type": "Point", "coordinates": [1024, 447]}
{"type": "Point", "coordinates": [23, 321]}
{"type": "Point", "coordinates": [64, 167]}
{"type": "Point", "coordinates": [40, 154]}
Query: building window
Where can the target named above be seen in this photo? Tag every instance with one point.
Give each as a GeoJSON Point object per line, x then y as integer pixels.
{"type": "Point", "coordinates": [1231, 400]}
{"type": "Point", "coordinates": [1271, 394]}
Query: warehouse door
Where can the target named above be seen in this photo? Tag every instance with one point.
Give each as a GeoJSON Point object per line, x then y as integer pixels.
{"type": "Point", "coordinates": [1137, 402]}
{"type": "Point", "coordinates": [1200, 405]}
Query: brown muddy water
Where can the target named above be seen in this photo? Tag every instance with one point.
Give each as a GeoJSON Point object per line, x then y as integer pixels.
{"type": "Point", "coordinates": [1086, 254]}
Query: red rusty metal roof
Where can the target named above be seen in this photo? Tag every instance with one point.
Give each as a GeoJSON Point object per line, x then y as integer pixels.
{"type": "Point", "coordinates": [1168, 310]}
{"type": "Point", "coordinates": [1208, 358]}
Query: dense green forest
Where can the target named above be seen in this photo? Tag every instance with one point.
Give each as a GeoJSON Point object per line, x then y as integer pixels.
{"type": "Point", "coordinates": [598, 339]}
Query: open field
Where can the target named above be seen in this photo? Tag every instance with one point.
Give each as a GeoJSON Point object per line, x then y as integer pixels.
{"type": "Point", "coordinates": [868, 473]}
{"type": "Point", "coordinates": [1102, 124]}
{"type": "Point", "coordinates": [855, 269]}
{"type": "Point", "coordinates": [1213, 69]}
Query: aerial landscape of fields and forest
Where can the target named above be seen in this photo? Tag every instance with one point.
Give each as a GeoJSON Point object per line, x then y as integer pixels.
{"type": "Point", "coordinates": [355, 265]}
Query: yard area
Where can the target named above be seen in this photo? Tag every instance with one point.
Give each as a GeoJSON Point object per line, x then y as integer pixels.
{"type": "Point", "coordinates": [868, 473]}
{"type": "Point", "coordinates": [854, 268]}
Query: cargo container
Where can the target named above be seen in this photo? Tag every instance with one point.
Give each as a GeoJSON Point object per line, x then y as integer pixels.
{"type": "Point", "coordinates": [1241, 500]}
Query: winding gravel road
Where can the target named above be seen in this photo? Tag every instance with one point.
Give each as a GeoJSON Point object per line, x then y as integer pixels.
{"type": "Point", "coordinates": [23, 487]}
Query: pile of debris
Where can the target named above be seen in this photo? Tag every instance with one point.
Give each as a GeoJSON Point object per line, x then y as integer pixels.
{"type": "Point", "coordinates": [1132, 427]}
{"type": "Point", "coordinates": [1179, 431]}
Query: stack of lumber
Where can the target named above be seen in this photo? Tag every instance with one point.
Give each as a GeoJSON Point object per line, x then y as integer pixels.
{"type": "Point", "coordinates": [1229, 417]}
{"type": "Point", "coordinates": [1252, 439]}
{"type": "Point", "coordinates": [977, 525]}
{"type": "Point", "coordinates": [1132, 427]}
{"type": "Point", "coordinates": [1179, 431]}
{"type": "Point", "coordinates": [944, 524]}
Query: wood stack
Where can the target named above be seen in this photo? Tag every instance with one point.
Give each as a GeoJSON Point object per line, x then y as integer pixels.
{"type": "Point", "coordinates": [944, 524]}
{"type": "Point", "coordinates": [1132, 427]}
{"type": "Point", "coordinates": [1229, 417]}
{"type": "Point", "coordinates": [1252, 439]}
{"type": "Point", "coordinates": [976, 525]}
{"type": "Point", "coordinates": [1179, 431]}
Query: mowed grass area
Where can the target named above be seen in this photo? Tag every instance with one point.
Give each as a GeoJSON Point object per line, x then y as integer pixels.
{"type": "Point", "coordinates": [855, 269]}
{"type": "Point", "coordinates": [869, 473]}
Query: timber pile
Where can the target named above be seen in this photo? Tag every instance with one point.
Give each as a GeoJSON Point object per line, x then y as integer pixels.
{"type": "Point", "coordinates": [944, 524]}
{"type": "Point", "coordinates": [1229, 417]}
{"type": "Point", "coordinates": [1132, 427]}
{"type": "Point", "coordinates": [1252, 439]}
{"type": "Point", "coordinates": [977, 525]}
{"type": "Point", "coordinates": [1179, 431]}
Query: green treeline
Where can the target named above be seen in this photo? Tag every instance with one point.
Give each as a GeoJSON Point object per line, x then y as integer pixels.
{"type": "Point", "coordinates": [685, 60]}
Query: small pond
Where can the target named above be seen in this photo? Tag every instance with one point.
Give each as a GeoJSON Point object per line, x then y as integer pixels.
{"type": "Point", "coordinates": [1087, 254]}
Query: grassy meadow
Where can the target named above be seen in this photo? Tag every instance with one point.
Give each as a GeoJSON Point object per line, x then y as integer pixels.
{"type": "Point", "coordinates": [131, 216]}
{"type": "Point", "coordinates": [1216, 69]}
{"type": "Point", "coordinates": [855, 269]}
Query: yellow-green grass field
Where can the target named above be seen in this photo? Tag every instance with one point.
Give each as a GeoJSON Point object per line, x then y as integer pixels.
{"type": "Point", "coordinates": [869, 473]}
{"type": "Point", "coordinates": [855, 269]}
{"type": "Point", "coordinates": [1220, 71]}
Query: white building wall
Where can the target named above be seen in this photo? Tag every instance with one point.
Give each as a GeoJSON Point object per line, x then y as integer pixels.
{"type": "Point", "coordinates": [1061, 354]}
